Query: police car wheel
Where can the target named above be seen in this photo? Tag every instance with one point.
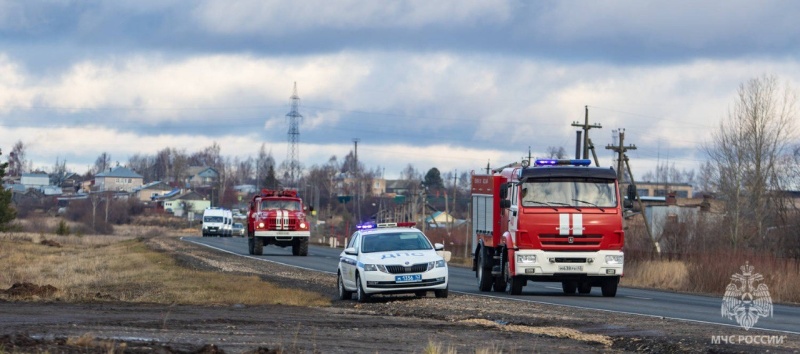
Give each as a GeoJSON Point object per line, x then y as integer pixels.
{"type": "Point", "coordinates": [362, 296]}
{"type": "Point", "coordinates": [442, 294]}
{"type": "Point", "coordinates": [343, 293]}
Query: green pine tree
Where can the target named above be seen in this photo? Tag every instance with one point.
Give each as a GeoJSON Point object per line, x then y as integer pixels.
{"type": "Point", "coordinates": [7, 212]}
{"type": "Point", "coordinates": [271, 182]}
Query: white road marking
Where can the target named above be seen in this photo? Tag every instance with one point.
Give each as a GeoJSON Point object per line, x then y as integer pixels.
{"type": "Point", "coordinates": [639, 297]}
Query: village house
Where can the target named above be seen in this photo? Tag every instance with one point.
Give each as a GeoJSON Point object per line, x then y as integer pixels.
{"type": "Point", "coordinates": [147, 193]}
{"type": "Point", "coordinates": [117, 179]}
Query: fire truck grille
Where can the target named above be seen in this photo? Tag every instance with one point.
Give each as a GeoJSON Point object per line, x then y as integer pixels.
{"type": "Point", "coordinates": [416, 268]}
{"type": "Point", "coordinates": [273, 224]}
{"type": "Point", "coordinates": [570, 240]}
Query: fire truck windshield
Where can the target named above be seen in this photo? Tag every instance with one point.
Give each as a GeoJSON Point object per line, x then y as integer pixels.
{"type": "Point", "coordinates": [568, 192]}
{"type": "Point", "coordinates": [280, 204]}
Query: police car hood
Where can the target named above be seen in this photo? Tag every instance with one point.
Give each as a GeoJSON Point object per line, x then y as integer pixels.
{"type": "Point", "coordinates": [400, 257]}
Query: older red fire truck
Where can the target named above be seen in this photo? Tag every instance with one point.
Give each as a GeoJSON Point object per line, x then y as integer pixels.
{"type": "Point", "coordinates": [277, 218]}
{"type": "Point", "coordinates": [555, 221]}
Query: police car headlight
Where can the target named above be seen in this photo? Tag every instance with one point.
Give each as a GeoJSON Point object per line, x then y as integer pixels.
{"type": "Point", "coordinates": [526, 258]}
{"type": "Point", "coordinates": [375, 268]}
{"type": "Point", "coordinates": [614, 259]}
{"type": "Point", "coordinates": [440, 264]}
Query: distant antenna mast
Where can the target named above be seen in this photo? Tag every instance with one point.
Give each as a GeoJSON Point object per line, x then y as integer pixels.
{"type": "Point", "coordinates": [293, 153]}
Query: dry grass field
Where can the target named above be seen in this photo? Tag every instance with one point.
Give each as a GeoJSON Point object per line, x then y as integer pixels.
{"type": "Point", "coordinates": [711, 274]}
{"type": "Point", "coordinates": [122, 268]}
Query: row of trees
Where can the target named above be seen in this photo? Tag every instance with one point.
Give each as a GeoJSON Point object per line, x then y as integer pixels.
{"type": "Point", "coordinates": [753, 157]}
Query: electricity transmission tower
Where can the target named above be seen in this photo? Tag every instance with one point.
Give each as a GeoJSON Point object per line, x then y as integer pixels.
{"type": "Point", "coordinates": [293, 153]}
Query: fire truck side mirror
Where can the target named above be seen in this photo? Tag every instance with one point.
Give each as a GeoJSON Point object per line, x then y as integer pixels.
{"type": "Point", "coordinates": [503, 191]}
{"type": "Point", "coordinates": [628, 204]}
{"type": "Point", "coordinates": [505, 203]}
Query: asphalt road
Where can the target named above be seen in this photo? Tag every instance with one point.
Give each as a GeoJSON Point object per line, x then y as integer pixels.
{"type": "Point", "coordinates": [685, 307]}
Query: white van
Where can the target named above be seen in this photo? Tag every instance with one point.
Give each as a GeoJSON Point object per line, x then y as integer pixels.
{"type": "Point", "coordinates": [228, 223]}
{"type": "Point", "coordinates": [214, 222]}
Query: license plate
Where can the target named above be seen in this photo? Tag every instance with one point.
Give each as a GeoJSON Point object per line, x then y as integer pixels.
{"type": "Point", "coordinates": [570, 268]}
{"type": "Point", "coordinates": [407, 278]}
{"type": "Point", "coordinates": [283, 233]}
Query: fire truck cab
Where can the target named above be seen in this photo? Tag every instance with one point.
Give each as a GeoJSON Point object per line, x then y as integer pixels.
{"type": "Point", "coordinates": [556, 221]}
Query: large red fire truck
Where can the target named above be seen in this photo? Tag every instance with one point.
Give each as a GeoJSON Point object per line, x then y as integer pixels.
{"type": "Point", "coordinates": [277, 218]}
{"type": "Point", "coordinates": [555, 221]}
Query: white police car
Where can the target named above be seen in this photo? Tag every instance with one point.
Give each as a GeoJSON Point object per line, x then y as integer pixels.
{"type": "Point", "coordinates": [391, 258]}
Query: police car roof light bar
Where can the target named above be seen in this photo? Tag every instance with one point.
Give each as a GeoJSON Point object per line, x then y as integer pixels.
{"type": "Point", "coordinates": [554, 162]}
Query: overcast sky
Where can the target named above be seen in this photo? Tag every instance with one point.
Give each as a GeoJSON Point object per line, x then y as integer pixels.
{"type": "Point", "coordinates": [451, 84]}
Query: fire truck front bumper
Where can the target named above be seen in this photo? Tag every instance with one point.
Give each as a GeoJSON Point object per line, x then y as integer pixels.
{"type": "Point", "coordinates": [538, 263]}
{"type": "Point", "coordinates": [282, 233]}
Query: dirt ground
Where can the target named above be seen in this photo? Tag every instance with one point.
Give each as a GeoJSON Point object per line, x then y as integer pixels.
{"type": "Point", "coordinates": [399, 324]}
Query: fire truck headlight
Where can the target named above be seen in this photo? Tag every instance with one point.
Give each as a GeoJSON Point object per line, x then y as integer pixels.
{"type": "Point", "coordinates": [526, 258]}
{"type": "Point", "coordinates": [614, 259]}
{"type": "Point", "coordinates": [261, 225]}
{"type": "Point", "coordinates": [303, 225]}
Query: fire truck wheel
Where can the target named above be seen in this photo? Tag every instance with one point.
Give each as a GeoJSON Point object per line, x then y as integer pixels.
{"type": "Point", "coordinates": [343, 293]}
{"type": "Point", "coordinates": [584, 287]}
{"type": "Point", "coordinates": [361, 295]}
{"type": "Point", "coordinates": [303, 247]}
{"type": "Point", "coordinates": [513, 284]}
{"type": "Point", "coordinates": [258, 246]}
{"type": "Point", "coordinates": [609, 287]}
{"type": "Point", "coordinates": [569, 287]}
{"type": "Point", "coordinates": [250, 246]}
{"type": "Point", "coordinates": [484, 277]}
{"type": "Point", "coordinates": [442, 294]}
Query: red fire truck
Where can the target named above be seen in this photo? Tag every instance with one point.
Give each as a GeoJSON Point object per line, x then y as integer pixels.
{"type": "Point", "coordinates": [555, 221]}
{"type": "Point", "coordinates": [277, 218]}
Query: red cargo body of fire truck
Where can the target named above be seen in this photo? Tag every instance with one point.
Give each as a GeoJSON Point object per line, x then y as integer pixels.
{"type": "Point", "coordinates": [556, 221]}
{"type": "Point", "coordinates": [277, 218]}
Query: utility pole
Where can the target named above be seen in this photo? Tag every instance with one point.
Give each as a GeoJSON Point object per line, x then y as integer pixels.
{"type": "Point", "coordinates": [622, 160]}
{"type": "Point", "coordinates": [357, 177]}
{"type": "Point", "coordinates": [455, 193]}
{"type": "Point", "coordinates": [586, 126]}
{"type": "Point", "coordinates": [620, 151]}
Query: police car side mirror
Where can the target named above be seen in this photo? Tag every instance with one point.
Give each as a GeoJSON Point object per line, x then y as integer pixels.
{"type": "Point", "coordinates": [438, 246]}
{"type": "Point", "coordinates": [351, 251]}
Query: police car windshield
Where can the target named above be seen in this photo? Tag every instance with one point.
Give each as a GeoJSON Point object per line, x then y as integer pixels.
{"type": "Point", "coordinates": [569, 192]}
{"type": "Point", "coordinates": [394, 241]}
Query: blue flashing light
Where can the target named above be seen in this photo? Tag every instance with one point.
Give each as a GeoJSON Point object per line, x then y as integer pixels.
{"type": "Point", "coordinates": [366, 226]}
{"type": "Point", "coordinates": [554, 162]}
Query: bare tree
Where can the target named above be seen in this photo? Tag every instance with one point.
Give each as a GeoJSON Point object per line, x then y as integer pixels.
{"type": "Point", "coordinates": [16, 160]}
{"type": "Point", "coordinates": [556, 152]}
{"type": "Point", "coordinates": [102, 163]}
{"type": "Point", "coordinates": [745, 153]}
